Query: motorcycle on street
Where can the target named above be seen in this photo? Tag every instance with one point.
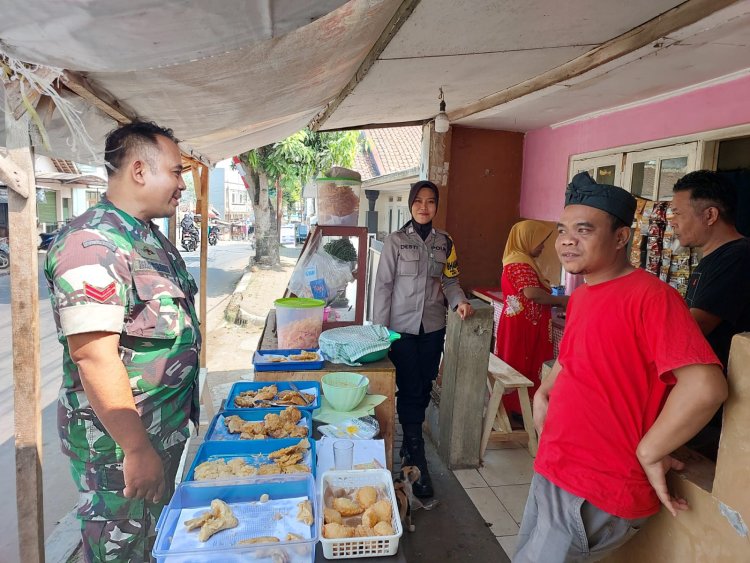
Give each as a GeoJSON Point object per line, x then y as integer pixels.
{"type": "Point", "coordinates": [189, 240]}
{"type": "Point", "coordinates": [213, 235]}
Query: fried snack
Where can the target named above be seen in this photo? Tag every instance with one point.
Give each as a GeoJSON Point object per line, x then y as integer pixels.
{"type": "Point", "coordinates": [269, 469]}
{"type": "Point", "coordinates": [220, 517]}
{"type": "Point", "coordinates": [384, 510]}
{"type": "Point", "coordinates": [384, 529]}
{"type": "Point", "coordinates": [295, 398]}
{"type": "Point", "coordinates": [289, 459]}
{"type": "Point", "coordinates": [331, 515]}
{"type": "Point", "coordinates": [347, 506]}
{"type": "Point", "coordinates": [259, 539]}
{"type": "Point", "coordinates": [363, 531]}
{"type": "Point", "coordinates": [296, 431]}
{"type": "Point", "coordinates": [304, 356]}
{"type": "Point", "coordinates": [250, 398]}
{"type": "Point", "coordinates": [367, 496]}
{"type": "Point", "coordinates": [219, 469]}
{"type": "Point", "coordinates": [293, 537]}
{"type": "Point", "coordinates": [296, 468]}
{"type": "Point", "coordinates": [305, 514]}
{"type": "Point", "coordinates": [334, 531]}
{"type": "Point", "coordinates": [289, 450]}
{"type": "Point", "coordinates": [234, 423]}
{"type": "Point", "coordinates": [246, 436]}
{"type": "Point", "coordinates": [272, 421]}
{"type": "Point", "coordinates": [283, 425]}
{"type": "Point", "coordinates": [370, 518]}
{"type": "Point", "coordinates": [290, 415]}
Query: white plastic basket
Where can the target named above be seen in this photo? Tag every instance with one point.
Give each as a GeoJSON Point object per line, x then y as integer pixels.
{"type": "Point", "coordinates": [348, 548]}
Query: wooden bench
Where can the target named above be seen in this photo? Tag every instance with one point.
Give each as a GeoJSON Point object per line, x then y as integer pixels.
{"type": "Point", "coordinates": [497, 428]}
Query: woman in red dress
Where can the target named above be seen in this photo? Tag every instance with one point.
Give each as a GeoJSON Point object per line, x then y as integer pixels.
{"type": "Point", "coordinates": [524, 332]}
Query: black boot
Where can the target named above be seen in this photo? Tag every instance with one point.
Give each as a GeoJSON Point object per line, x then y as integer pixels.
{"type": "Point", "coordinates": [414, 447]}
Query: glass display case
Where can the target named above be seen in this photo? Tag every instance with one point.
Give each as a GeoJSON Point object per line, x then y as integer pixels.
{"type": "Point", "coordinates": [333, 266]}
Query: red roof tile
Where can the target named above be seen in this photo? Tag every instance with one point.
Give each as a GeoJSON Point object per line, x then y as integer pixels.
{"type": "Point", "coordinates": [389, 150]}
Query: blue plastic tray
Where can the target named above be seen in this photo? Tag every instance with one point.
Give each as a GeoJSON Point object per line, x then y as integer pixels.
{"type": "Point", "coordinates": [254, 452]}
{"type": "Point", "coordinates": [306, 386]}
{"type": "Point", "coordinates": [262, 363]}
{"type": "Point", "coordinates": [217, 430]}
{"type": "Point", "coordinates": [200, 495]}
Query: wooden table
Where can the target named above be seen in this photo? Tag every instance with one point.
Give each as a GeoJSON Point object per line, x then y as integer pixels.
{"type": "Point", "coordinates": [382, 376]}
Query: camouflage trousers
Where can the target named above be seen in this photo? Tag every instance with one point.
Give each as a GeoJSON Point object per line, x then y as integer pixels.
{"type": "Point", "coordinates": [115, 528]}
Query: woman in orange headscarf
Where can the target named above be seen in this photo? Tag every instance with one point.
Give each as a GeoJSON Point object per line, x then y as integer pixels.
{"type": "Point", "coordinates": [524, 332]}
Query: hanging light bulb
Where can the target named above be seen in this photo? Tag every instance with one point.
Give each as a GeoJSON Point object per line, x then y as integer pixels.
{"type": "Point", "coordinates": [441, 119]}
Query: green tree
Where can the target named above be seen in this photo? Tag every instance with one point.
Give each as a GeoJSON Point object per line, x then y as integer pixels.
{"type": "Point", "coordinates": [276, 173]}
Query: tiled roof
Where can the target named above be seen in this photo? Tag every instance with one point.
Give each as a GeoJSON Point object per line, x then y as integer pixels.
{"type": "Point", "coordinates": [389, 150]}
{"type": "Point", "coordinates": [65, 166]}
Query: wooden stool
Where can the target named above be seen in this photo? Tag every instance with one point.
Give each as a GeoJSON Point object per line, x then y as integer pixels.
{"type": "Point", "coordinates": [501, 376]}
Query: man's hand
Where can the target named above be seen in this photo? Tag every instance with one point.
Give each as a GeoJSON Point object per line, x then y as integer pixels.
{"type": "Point", "coordinates": [656, 474]}
{"type": "Point", "coordinates": [144, 475]}
{"type": "Point", "coordinates": [541, 402]}
{"type": "Point", "coordinates": [465, 310]}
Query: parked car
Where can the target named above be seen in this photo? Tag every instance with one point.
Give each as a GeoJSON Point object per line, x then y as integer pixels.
{"type": "Point", "coordinates": [302, 232]}
{"type": "Point", "coordinates": [286, 234]}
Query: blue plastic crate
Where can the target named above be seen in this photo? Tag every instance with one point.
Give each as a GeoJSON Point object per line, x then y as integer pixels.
{"type": "Point", "coordinates": [260, 521]}
{"type": "Point", "coordinates": [306, 386]}
{"type": "Point", "coordinates": [252, 451]}
{"type": "Point", "coordinates": [217, 430]}
{"type": "Point", "coordinates": [262, 361]}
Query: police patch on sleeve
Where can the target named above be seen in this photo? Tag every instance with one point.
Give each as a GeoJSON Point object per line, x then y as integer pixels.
{"type": "Point", "coordinates": [451, 264]}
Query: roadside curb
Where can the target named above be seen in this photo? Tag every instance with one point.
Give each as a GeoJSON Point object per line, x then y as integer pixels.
{"type": "Point", "coordinates": [234, 312]}
{"type": "Point", "coordinates": [64, 540]}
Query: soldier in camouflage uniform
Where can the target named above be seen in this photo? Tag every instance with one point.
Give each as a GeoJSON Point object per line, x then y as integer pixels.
{"type": "Point", "coordinates": [123, 302]}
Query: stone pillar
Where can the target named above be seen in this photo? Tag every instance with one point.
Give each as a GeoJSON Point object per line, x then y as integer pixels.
{"type": "Point", "coordinates": [372, 215]}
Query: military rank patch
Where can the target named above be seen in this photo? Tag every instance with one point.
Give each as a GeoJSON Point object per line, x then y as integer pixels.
{"type": "Point", "coordinates": [99, 242]}
{"type": "Point", "coordinates": [100, 294]}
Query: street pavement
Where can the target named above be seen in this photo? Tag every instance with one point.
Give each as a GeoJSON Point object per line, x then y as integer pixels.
{"type": "Point", "coordinates": [226, 264]}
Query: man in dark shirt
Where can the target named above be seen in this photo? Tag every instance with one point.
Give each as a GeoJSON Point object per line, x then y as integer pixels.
{"type": "Point", "coordinates": [704, 207]}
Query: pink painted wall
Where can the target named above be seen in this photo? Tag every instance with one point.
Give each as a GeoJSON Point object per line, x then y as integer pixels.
{"type": "Point", "coordinates": [547, 151]}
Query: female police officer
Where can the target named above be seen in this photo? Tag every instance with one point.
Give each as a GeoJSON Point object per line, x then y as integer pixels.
{"type": "Point", "coordinates": [417, 273]}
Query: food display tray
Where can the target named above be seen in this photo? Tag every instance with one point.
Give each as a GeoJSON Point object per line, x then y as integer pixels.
{"type": "Point", "coordinates": [218, 430]}
{"type": "Point", "coordinates": [256, 519]}
{"type": "Point", "coordinates": [254, 452]}
{"type": "Point", "coordinates": [349, 548]}
{"type": "Point", "coordinates": [263, 360]}
{"type": "Point", "coordinates": [312, 387]}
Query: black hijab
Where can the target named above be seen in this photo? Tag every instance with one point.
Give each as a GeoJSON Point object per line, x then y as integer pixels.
{"type": "Point", "coordinates": [422, 230]}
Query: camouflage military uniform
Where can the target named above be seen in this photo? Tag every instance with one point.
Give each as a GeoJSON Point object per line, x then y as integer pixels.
{"type": "Point", "coordinates": [108, 271]}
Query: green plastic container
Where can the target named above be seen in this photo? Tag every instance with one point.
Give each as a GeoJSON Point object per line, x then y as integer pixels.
{"type": "Point", "coordinates": [380, 354]}
{"type": "Point", "coordinates": [299, 322]}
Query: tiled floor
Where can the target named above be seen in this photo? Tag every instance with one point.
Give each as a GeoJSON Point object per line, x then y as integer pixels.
{"type": "Point", "coordinates": [499, 489]}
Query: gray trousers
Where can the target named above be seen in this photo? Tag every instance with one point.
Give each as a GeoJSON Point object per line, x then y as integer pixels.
{"type": "Point", "coordinates": [559, 527]}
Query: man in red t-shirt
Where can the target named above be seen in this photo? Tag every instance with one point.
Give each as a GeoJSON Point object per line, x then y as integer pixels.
{"type": "Point", "coordinates": [635, 379]}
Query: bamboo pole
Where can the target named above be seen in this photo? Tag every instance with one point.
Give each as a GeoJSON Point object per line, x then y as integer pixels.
{"type": "Point", "coordinates": [24, 299]}
{"type": "Point", "coordinates": [203, 207]}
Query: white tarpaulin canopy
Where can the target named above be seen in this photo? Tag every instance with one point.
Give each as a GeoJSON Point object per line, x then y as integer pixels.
{"type": "Point", "coordinates": [226, 76]}
{"type": "Point", "coordinates": [237, 74]}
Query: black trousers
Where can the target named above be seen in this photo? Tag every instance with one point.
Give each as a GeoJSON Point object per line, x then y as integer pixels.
{"type": "Point", "coordinates": [417, 360]}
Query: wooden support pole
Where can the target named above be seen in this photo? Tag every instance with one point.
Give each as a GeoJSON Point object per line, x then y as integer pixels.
{"type": "Point", "coordinates": [24, 299]}
{"type": "Point", "coordinates": [203, 210]}
{"type": "Point", "coordinates": [467, 354]}
{"type": "Point", "coordinates": [172, 235]}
